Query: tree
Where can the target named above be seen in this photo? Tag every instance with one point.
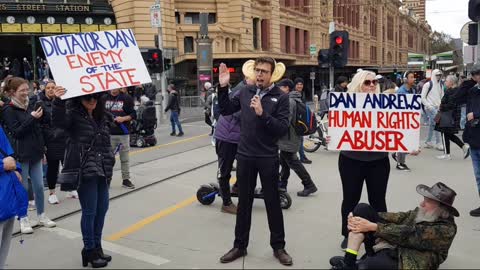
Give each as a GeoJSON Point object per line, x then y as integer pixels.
{"type": "Point", "coordinates": [441, 42]}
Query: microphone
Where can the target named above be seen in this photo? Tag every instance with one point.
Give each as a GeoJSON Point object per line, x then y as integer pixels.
{"type": "Point", "coordinates": [258, 91]}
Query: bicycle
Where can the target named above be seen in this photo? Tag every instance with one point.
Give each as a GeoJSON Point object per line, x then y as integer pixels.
{"type": "Point", "coordinates": [312, 143]}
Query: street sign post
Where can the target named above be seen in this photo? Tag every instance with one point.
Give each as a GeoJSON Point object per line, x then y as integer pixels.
{"type": "Point", "coordinates": [312, 77]}
{"type": "Point", "coordinates": [155, 16]}
{"type": "Point", "coordinates": [313, 49]}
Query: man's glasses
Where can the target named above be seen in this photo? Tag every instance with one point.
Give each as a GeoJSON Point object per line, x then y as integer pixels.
{"type": "Point", "coordinates": [370, 82]}
{"type": "Point", "coordinates": [261, 71]}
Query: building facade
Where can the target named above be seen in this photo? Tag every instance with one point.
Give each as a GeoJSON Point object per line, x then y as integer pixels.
{"type": "Point", "coordinates": [382, 33]}
{"type": "Point", "coordinates": [417, 6]}
{"type": "Point", "coordinates": [23, 22]}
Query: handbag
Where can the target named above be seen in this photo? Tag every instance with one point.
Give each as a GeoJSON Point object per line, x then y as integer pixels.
{"type": "Point", "coordinates": [13, 196]}
{"type": "Point", "coordinates": [72, 176]}
{"type": "Point", "coordinates": [446, 119]}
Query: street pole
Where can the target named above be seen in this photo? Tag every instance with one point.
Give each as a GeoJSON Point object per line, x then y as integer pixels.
{"type": "Point", "coordinates": [478, 44]}
{"type": "Point", "coordinates": [332, 70]}
{"type": "Point", "coordinates": [313, 88]}
{"type": "Point", "coordinates": [162, 76]}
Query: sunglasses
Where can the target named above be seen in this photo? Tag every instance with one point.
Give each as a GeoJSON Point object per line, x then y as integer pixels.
{"type": "Point", "coordinates": [370, 82]}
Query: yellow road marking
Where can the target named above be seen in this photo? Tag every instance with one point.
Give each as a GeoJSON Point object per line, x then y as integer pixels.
{"type": "Point", "coordinates": [164, 145]}
{"type": "Point", "coordinates": [139, 225]}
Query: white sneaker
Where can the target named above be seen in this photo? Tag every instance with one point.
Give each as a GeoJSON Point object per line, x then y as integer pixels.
{"type": "Point", "coordinates": [52, 199]}
{"type": "Point", "coordinates": [43, 220]}
{"type": "Point", "coordinates": [466, 151]}
{"type": "Point", "coordinates": [439, 147]}
{"type": "Point", "coordinates": [428, 145]}
{"type": "Point", "coordinates": [444, 157]}
{"type": "Point", "coordinates": [31, 206]}
{"type": "Point", "coordinates": [25, 227]}
{"type": "Point", "coordinates": [72, 194]}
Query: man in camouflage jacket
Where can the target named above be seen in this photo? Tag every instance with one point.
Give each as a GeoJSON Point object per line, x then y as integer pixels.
{"type": "Point", "coordinates": [417, 239]}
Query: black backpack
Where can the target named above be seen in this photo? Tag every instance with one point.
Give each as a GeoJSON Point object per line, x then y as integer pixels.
{"type": "Point", "coordinates": [305, 120]}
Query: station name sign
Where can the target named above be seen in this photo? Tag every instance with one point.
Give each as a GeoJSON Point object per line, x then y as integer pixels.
{"type": "Point", "coordinates": [44, 8]}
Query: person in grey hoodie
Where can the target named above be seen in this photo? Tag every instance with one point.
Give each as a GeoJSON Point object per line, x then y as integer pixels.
{"type": "Point", "coordinates": [289, 145]}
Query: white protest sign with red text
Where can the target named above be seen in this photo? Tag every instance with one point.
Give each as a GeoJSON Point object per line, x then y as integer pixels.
{"type": "Point", "coordinates": [374, 122]}
{"type": "Point", "coordinates": [86, 63]}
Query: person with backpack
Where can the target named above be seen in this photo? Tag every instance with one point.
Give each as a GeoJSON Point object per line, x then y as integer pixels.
{"type": "Point", "coordinates": [299, 85]}
{"type": "Point", "coordinates": [432, 93]}
{"type": "Point", "coordinates": [13, 197]}
{"type": "Point", "coordinates": [290, 143]}
{"type": "Point", "coordinates": [212, 105]}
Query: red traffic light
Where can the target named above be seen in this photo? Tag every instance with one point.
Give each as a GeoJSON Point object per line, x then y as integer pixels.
{"type": "Point", "coordinates": [339, 40]}
{"type": "Point", "coordinates": [155, 56]}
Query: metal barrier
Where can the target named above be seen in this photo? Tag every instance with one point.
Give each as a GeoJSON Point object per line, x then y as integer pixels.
{"type": "Point", "coordinates": [192, 101]}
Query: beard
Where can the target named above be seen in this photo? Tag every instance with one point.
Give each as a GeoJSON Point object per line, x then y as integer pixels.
{"type": "Point", "coordinates": [425, 216]}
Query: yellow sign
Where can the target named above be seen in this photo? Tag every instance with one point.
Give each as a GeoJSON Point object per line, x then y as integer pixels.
{"type": "Point", "coordinates": [89, 28]}
{"type": "Point", "coordinates": [32, 28]}
{"type": "Point", "coordinates": [11, 28]}
{"type": "Point", "coordinates": [107, 27]}
{"type": "Point", "coordinates": [51, 28]}
{"type": "Point", "coordinates": [70, 28]}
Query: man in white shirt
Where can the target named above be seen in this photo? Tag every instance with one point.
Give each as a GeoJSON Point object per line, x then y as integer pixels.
{"type": "Point", "coordinates": [432, 93]}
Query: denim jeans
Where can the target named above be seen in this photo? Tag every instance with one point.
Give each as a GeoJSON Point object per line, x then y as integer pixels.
{"type": "Point", "coordinates": [475, 154]}
{"type": "Point", "coordinates": [93, 196]}
{"type": "Point", "coordinates": [301, 150]}
{"type": "Point", "coordinates": [431, 127]}
{"type": "Point", "coordinates": [174, 121]}
{"type": "Point", "coordinates": [463, 117]}
{"type": "Point", "coordinates": [34, 170]}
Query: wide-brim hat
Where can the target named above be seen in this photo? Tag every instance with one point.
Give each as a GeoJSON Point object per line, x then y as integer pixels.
{"type": "Point", "coordinates": [248, 70]}
{"type": "Point", "coordinates": [440, 193]}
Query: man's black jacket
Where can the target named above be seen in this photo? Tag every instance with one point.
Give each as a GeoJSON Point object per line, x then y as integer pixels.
{"type": "Point", "coordinates": [258, 134]}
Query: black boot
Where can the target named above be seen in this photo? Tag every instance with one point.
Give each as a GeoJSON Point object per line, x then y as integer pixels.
{"type": "Point", "coordinates": [309, 188]}
{"type": "Point", "coordinates": [91, 256]}
{"type": "Point", "coordinates": [103, 256]}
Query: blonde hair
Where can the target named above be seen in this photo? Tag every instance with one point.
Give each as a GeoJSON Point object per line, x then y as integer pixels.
{"type": "Point", "coordinates": [356, 85]}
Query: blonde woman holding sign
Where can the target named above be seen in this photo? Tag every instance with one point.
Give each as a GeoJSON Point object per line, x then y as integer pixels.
{"type": "Point", "coordinates": [358, 167]}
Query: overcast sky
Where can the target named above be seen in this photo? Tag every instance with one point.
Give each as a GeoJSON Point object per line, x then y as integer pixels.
{"type": "Point", "coordinates": [447, 15]}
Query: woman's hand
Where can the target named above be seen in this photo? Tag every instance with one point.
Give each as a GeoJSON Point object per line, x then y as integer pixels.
{"type": "Point", "coordinates": [361, 225]}
{"type": "Point", "coordinates": [19, 176]}
{"type": "Point", "coordinates": [38, 113]}
{"type": "Point", "coordinates": [59, 91]}
{"type": "Point", "coordinates": [9, 164]}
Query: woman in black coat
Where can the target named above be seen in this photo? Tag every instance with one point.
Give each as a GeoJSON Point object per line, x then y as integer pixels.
{"type": "Point", "coordinates": [87, 127]}
{"type": "Point", "coordinates": [23, 126]}
{"type": "Point", "coordinates": [448, 130]}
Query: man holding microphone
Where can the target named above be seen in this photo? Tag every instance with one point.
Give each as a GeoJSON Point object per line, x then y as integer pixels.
{"type": "Point", "coordinates": [264, 117]}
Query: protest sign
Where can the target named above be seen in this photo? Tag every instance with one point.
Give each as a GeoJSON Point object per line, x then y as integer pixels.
{"type": "Point", "coordinates": [87, 63]}
{"type": "Point", "coordinates": [374, 122]}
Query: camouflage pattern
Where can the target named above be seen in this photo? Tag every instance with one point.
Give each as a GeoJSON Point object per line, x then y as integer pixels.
{"type": "Point", "coordinates": [421, 245]}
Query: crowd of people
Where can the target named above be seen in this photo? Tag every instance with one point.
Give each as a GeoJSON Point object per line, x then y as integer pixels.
{"type": "Point", "coordinates": [252, 124]}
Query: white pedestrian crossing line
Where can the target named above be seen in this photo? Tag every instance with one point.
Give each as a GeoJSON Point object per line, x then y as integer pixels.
{"type": "Point", "coordinates": [115, 248]}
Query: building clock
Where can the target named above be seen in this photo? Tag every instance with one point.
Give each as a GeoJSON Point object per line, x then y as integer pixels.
{"type": "Point", "coordinates": [89, 20]}
{"type": "Point", "coordinates": [107, 21]}
{"type": "Point", "coordinates": [70, 20]}
{"type": "Point", "coordinates": [31, 19]}
{"type": "Point", "coordinates": [10, 19]}
{"type": "Point", "coordinates": [50, 20]}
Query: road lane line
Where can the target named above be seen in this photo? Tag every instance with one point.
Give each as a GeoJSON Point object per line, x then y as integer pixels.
{"type": "Point", "coordinates": [139, 225]}
{"type": "Point", "coordinates": [118, 249]}
{"type": "Point", "coordinates": [167, 144]}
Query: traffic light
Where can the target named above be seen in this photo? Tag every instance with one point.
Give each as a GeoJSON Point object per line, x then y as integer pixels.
{"type": "Point", "coordinates": [154, 61]}
{"type": "Point", "coordinates": [168, 64]}
{"type": "Point", "coordinates": [323, 57]}
{"type": "Point", "coordinates": [472, 34]}
{"type": "Point", "coordinates": [339, 44]}
{"type": "Point", "coordinates": [474, 10]}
